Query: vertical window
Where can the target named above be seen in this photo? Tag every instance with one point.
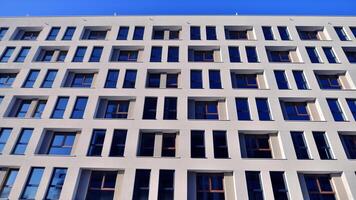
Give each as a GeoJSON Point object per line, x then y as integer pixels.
{"type": "Point", "coordinates": [280, 190]}
{"type": "Point", "coordinates": [56, 183]}
{"type": "Point", "coordinates": [254, 187]}
{"type": "Point", "coordinates": [313, 54]}
{"type": "Point", "coordinates": [24, 105]}
{"type": "Point", "coordinates": [79, 54]}
{"type": "Point", "coordinates": [267, 32]}
{"type": "Point", "coordinates": [146, 144]}
{"type": "Point", "coordinates": [341, 33]}
{"type": "Point", "coordinates": [60, 108]}
{"type": "Point", "coordinates": [118, 143]}
{"type": "Point", "coordinates": [1, 98]}
{"type": "Point", "coordinates": [8, 183]}
{"type": "Point", "coordinates": [251, 54]}
{"type": "Point", "coordinates": [22, 141]}
{"type": "Point", "coordinates": [62, 56]}
{"type": "Point", "coordinates": [210, 33]}
{"type": "Point", "coordinates": [283, 32]}
{"type": "Point", "coordinates": [349, 144]}
{"type": "Point", "coordinates": [243, 111]}
{"type": "Point", "coordinates": [4, 135]}
{"type": "Point", "coordinates": [130, 79]}
{"type": "Point", "coordinates": [5, 57]}
{"type": "Point", "coordinates": [197, 144]}
{"type": "Point", "coordinates": [22, 54]}
{"type": "Point", "coordinates": [61, 144]}
{"type": "Point", "coordinates": [281, 79]}
{"type": "Point", "coordinates": [353, 30]}
{"type": "Point", "coordinates": [352, 106]}
{"type": "Point", "coordinates": [214, 79]}
{"type": "Point", "coordinates": [138, 33]}
{"type": "Point", "coordinates": [220, 144]}
{"type": "Point", "coordinates": [323, 146]}
{"type": "Point", "coordinates": [96, 143]}
{"type": "Point", "coordinates": [173, 54]}
{"type": "Point", "coordinates": [123, 32]}
{"type": "Point", "coordinates": [95, 54]}
{"type": "Point", "coordinates": [53, 33]}
{"type": "Point", "coordinates": [234, 54]}
{"type": "Point", "coordinates": [196, 79]}
{"type": "Point", "coordinates": [32, 183]}
{"type": "Point", "coordinates": [166, 185]}
{"type": "Point", "coordinates": [150, 107]}
{"type": "Point", "coordinates": [335, 109]}
{"type": "Point", "coordinates": [170, 108]}
{"type": "Point", "coordinates": [210, 186]}
{"type": "Point", "coordinates": [49, 78]}
{"type": "Point", "coordinates": [263, 109]}
{"type": "Point", "coordinates": [31, 78]}
{"type": "Point", "coordinates": [68, 35]}
{"type": "Point", "coordinates": [142, 184]}
{"type": "Point", "coordinates": [300, 80]}
{"type": "Point", "coordinates": [330, 55]}
{"type": "Point", "coordinates": [102, 185]}
{"type": "Point", "coordinates": [172, 81]}
{"type": "Point", "coordinates": [3, 32]}
{"type": "Point", "coordinates": [319, 187]}
{"type": "Point", "coordinates": [156, 54]}
{"type": "Point", "coordinates": [154, 80]}
{"type": "Point", "coordinates": [195, 33]}
{"type": "Point", "coordinates": [79, 108]}
{"type": "Point", "coordinates": [111, 78]}
{"type": "Point", "coordinates": [168, 145]}
{"type": "Point", "coordinates": [39, 109]}
{"type": "Point", "coordinates": [300, 147]}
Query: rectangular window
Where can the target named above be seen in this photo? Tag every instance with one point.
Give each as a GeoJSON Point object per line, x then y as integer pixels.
{"type": "Point", "coordinates": [5, 57]}
{"type": "Point", "coordinates": [126, 56]}
{"type": "Point", "coordinates": [168, 145]}
{"type": "Point", "coordinates": [6, 79]}
{"type": "Point", "coordinates": [32, 183]}
{"type": "Point", "coordinates": [150, 108]}
{"type": "Point", "coordinates": [174, 35]}
{"type": "Point", "coordinates": [79, 54]}
{"type": "Point", "coordinates": [156, 54]}
{"type": "Point", "coordinates": [349, 144]}
{"type": "Point", "coordinates": [41, 104]}
{"type": "Point", "coordinates": [351, 56]}
{"type": "Point", "coordinates": [251, 53]}
{"type": "Point", "coordinates": [49, 78]}
{"type": "Point", "coordinates": [94, 35]}
{"type": "Point", "coordinates": [111, 78]}
{"type": "Point", "coordinates": [284, 33]}
{"type": "Point", "coordinates": [280, 190]}
{"type": "Point", "coordinates": [295, 111]}
{"type": "Point", "coordinates": [195, 33]}
{"type": "Point", "coordinates": [118, 143]}
{"type": "Point", "coordinates": [279, 56]}
{"type": "Point", "coordinates": [330, 55]}
{"type": "Point", "coordinates": [281, 79]}
{"type": "Point", "coordinates": [82, 80]}
{"type": "Point", "coordinates": [3, 31]}
{"type": "Point", "coordinates": [263, 109]}
{"type": "Point", "coordinates": [172, 81]}
{"type": "Point", "coordinates": [300, 80]}
{"type": "Point", "coordinates": [1, 99]}
{"type": "Point", "coordinates": [341, 33]}
{"type": "Point", "coordinates": [166, 185]}
{"type": "Point", "coordinates": [300, 146]}
{"type": "Point", "coordinates": [335, 109]}
{"type": "Point", "coordinates": [60, 108]}
{"type": "Point", "coordinates": [206, 110]}
{"type": "Point", "coordinates": [242, 108]}
{"type": "Point", "coordinates": [258, 146]}
{"type": "Point", "coordinates": [220, 144]}
{"type": "Point", "coordinates": [79, 108]}
{"type": "Point", "coordinates": [319, 186]}
{"type": "Point", "coordinates": [53, 33]}
{"type": "Point", "coordinates": [210, 33]}
{"type": "Point", "coordinates": [322, 145]}
{"type": "Point", "coordinates": [353, 30]}
{"type": "Point", "coordinates": [22, 141]}
{"type": "Point", "coordinates": [31, 78]}
{"type": "Point", "coordinates": [267, 32]}
{"type": "Point", "coordinates": [24, 105]}
{"type": "Point", "coordinates": [4, 136]}
{"type": "Point", "coordinates": [352, 106]}
{"type": "Point", "coordinates": [313, 54]}
{"type": "Point", "coordinates": [101, 185]}
{"type": "Point", "coordinates": [56, 183]}
{"type": "Point", "coordinates": [328, 81]}
{"type": "Point", "coordinates": [123, 32]}
{"type": "Point", "coordinates": [158, 34]}
{"type": "Point", "coordinates": [62, 56]}
{"type": "Point", "coordinates": [97, 142]}
{"type": "Point", "coordinates": [153, 80]}
{"type": "Point", "coordinates": [244, 80]}
{"type": "Point", "coordinates": [197, 144]}
{"type": "Point", "coordinates": [309, 35]}
{"type": "Point", "coordinates": [8, 183]}
{"type": "Point", "coordinates": [170, 108]}
{"type": "Point", "coordinates": [173, 54]}
{"type": "Point", "coordinates": [142, 184]}
{"type": "Point", "coordinates": [236, 34]}
{"type": "Point", "coordinates": [117, 109]}
{"type": "Point", "coordinates": [196, 79]}
{"type": "Point", "coordinates": [138, 33]}
{"type": "Point", "coordinates": [61, 143]}
{"type": "Point", "coordinates": [234, 54]}
{"type": "Point", "coordinates": [210, 186]}
{"type": "Point", "coordinates": [27, 35]}
{"type": "Point", "coordinates": [254, 186]}
{"type": "Point", "coordinates": [214, 79]}
{"type": "Point", "coordinates": [130, 78]}
{"type": "Point", "coordinates": [68, 35]}
{"type": "Point", "coordinates": [200, 56]}
{"type": "Point", "coordinates": [95, 54]}
{"type": "Point", "coordinates": [22, 54]}
{"type": "Point", "coordinates": [47, 56]}
{"type": "Point", "coordinates": [146, 144]}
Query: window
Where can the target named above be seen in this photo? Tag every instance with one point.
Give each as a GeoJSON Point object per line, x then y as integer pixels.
{"type": "Point", "coordinates": [125, 56]}
{"type": "Point", "coordinates": [281, 79]}
{"type": "Point", "coordinates": [24, 105]}
{"type": "Point", "coordinates": [278, 56]}
{"type": "Point", "coordinates": [142, 184]}
{"type": "Point", "coordinates": [117, 109]}
{"type": "Point", "coordinates": [96, 143]}
{"type": "Point", "coordinates": [169, 145]}
{"type": "Point", "coordinates": [118, 143]}
{"type": "Point", "coordinates": [201, 56]}
{"type": "Point", "coordinates": [82, 80]}
{"type": "Point", "coordinates": [4, 135]}
{"type": "Point", "coordinates": [173, 54]}
{"type": "Point", "coordinates": [153, 80]}
{"type": "Point", "coordinates": [300, 80]}
{"type": "Point", "coordinates": [79, 108]}
{"type": "Point", "coordinates": [79, 54]}
{"type": "Point", "coordinates": [300, 147]}
{"type": "Point", "coordinates": [166, 185]}
{"type": "Point", "coordinates": [51, 55]}
{"type": "Point", "coordinates": [170, 108]}
{"type": "Point", "coordinates": [47, 56]}
{"type": "Point", "coordinates": [210, 186]}
{"type": "Point", "coordinates": [3, 31]}
{"type": "Point", "coordinates": [254, 188]}
{"type": "Point", "coordinates": [111, 78]}
{"type": "Point", "coordinates": [123, 32]}
{"type": "Point", "coordinates": [174, 35]}
{"type": "Point", "coordinates": [95, 54]}
{"type": "Point", "coordinates": [341, 33]}
{"type": "Point", "coordinates": [22, 141]}
{"type": "Point", "coordinates": [349, 144]}
{"type": "Point", "coordinates": [330, 55]}
{"type": "Point", "coordinates": [280, 190]}
{"type": "Point", "coordinates": [172, 81]}
{"type": "Point", "coordinates": [263, 109]}
{"type": "Point", "coordinates": [353, 30]}
{"type": "Point", "coordinates": [196, 79]}
{"type": "Point", "coordinates": [197, 144]}
{"type": "Point", "coordinates": [242, 108]}
{"type": "Point", "coordinates": [138, 33]}
{"type": "Point", "coordinates": [195, 33]}
{"type": "Point", "coordinates": [31, 78]}
{"type": "Point", "coordinates": [49, 78]}
{"type": "Point", "coordinates": [22, 54]}
{"type": "Point", "coordinates": [60, 108]}
{"type": "Point", "coordinates": [56, 183]}
{"type": "Point", "coordinates": [351, 56]}
{"type": "Point", "coordinates": [156, 54]}
{"type": "Point", "coordinates": [101, 185]}
{"type": "Point", "coordinates": [32, 183]}
{"type": "Point", "coordinates": [94, 34]}
{"type": "Point", "coordinates": [62, 56]}
{"type": "Point", "coordinates": [158, 35]}
{"type": "Point", "coordinates": [234, 54]}
{"type": "Point", "coordinates": [1, 98]}
{"type": "Point", "coordinates": [61, 143]}
{"type": "Point", "coordinates": [146, 144]}
{"type": "Point", "coordinates": [5, 57]}
{"type": "Point", "coordinates": [150, 107]}
{"type": "Point", "coordinates": [335, 109]}
{"type": "Point", "coordinates": [6, 79]}
{"type": "Point", "coordinates": [27, 35]}
{"type": "Point", "coordinates": [220, 144]}
{"type": "Point", "coordinates": [53, 33]}
{"type": "Point", "coordinates": [267, 32]}
{"type": "Point", "coordinates": [295, 111]}
{"type": "Point", "coordinates": [352, 106]}
{"type": "Point", "coordinates": [309, 35]}
{"type": "Point", "coordinates": [210, 33]}
{"type": "Point", "coordinates": [8, 183]}
{"type": "Point", "coordinates": [257, 146]}
{"type": "Point", "coordinates": [236, 34]}
{"type": "Point", "coordinates": [206, 110]}
{"type": "Point", "coordinates": [148, 141]}
{"type": "Point", "coordinates": [313, 54]}
{"type": "Point", "coordinates": [328, 81]}
{"type": "Point", "coordinates": [322, 145]}
{"type": "Point", "coordinates": [214, 79]}
{"type": "Point", "coordinates": [130, 78]}
{"type": "Point", "coordinates": [283, 32]}
{"type": "Point", "coordinates": [244, 80]}
{"type": "Point", "coordinates": [68, 35]}
{"type": "Point", "coordinates": [251, 54]}
{"type": "Point", "coordinates": [39, 109]}
{"type": "Point", "coordinates": [319, 187]}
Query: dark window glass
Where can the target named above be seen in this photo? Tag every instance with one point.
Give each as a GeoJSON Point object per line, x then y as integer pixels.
{"type": "Point", "coordinates": [96, 143]}
{"type": "Point", "coordinates": [49, 78]}
{"type": "Point", "coordinates": [206, 110]}
{"type": "Point", "coordinates": [244, 80]}
{"type": "Point", "coordinates": [8, 183]}
{"type": "Point", "coordinates": [283, 32]}
{"type": "Point", "coordinates": [301, 148]}
{"type": "Point", "coordinates": [242, 108]}
{"type": "Point", "coordinates": [32, 183]}
{"type": "Point", "coordinates": [146, 144]}
{"type": "Point", "coordinates": [28, 35]}
{"type": "Point", "coordinates": [330, 55]}
{"type": "Point", "coordinates": [158, 35]}
{"type": "Point", "coordinates": [352, 106]}
{"type": "Point", "coordinates": [150, 107]}
{"type": "Point", "coordinates": [251, 54]}
{"type": "Point", "coordinates": [166, 185]}
{"type": "Point", "coordinates": [172, 81]}
{"type": "Point", "coordinates": [335, 109]}
{"type": "Point", "coordinates": [300, 80]}
{"type": "Point", "coordinates": [53, 33]}
{"type": "Point", "coordinates": [4, 135]}
{"type": "Point", "coordinates": [196, 79]}
{"type": "Point", "coordinates": [56, 184]}
{"type": "Point", "coordinates": [123, 32]}
{"type": "Point", "coordinates": [31, 78]}
{"type": "Point", "coordinates": [313, 54]}
{"type": "Point", "coordinates": [254, 187]}
{"type": "Point", "coordinates": [61, 144]}
{"type": "Point", "coordinates": [47, 56]}
{"type": "Point", "coordinates": [280, 190]}
{"type": "Point", "coordinates": [24, 105]}
{"type": "Point", "coordinates": [101, 185]}
{"type": "Point", "coordinates": [174, 35]}
{"type": "Point", "coordinates": [156, 54]}
{"type": "Point", "coordinates": [95, 35]}
{"type": "Point", "coordinates": [197, 144]}
{"type": "Point", "coordinates": [353, 30]}
{"type": "Point", "coordinates": [169, 145]}
{"type": "Point", "coordinates": [117, 109]}
{"type": "Point", "coordinates": [349, 144]}
{"type": "Point", "coordinates": [82, 80]}
{"type": "Point", "coordinates": [195, 33]}
{"type": "Point", "coordinates": [234, 54]}
{"type": "Point", "coordinates": [142, 184]}
{"type": "Point", "coordinates": [267, 32]}
{"type": "Point", "coordinates": [351, 56]}
{"type": "Point", "coordinates": [322, 145]}
{"type": "Point", "coordinates": [79, 54]}
{"type": "Point", "coordinates": [278, 56]}
{"type": "Point", "coordinates": [126, 56]}
{"type": "Point", "coordinates": [22, 54]}
{"type": "Point", "coordinates": [210, 186]}
{"type": "Point", "coordinates": [220, 144]}
{"type": "Point", "coordinates": [295, 111]}
{"type": "Point", "coordinates": [258, 146]}
{"type": "Point", "coordinates": [341, 33]}
{"type": "Point", "coordinates": [60, 107]}
{"type": "Point", "coordinates": [200, 56]}
{"type": "Point", "coordinates": [153, 80]}
{"type": "Point", "coordinates": [138, 33]}
{"type": "Point", "coordinates": [281, 79]}
{"type": "Point", "coordinates": [130, 79]}
{"type": "Point", "coordinates": [111, 78]}
{"type": "Point", "coordinates": [62, 56]}
{"type": "Point", "coordinates": [68, 35]}
{"type": "Point", "coordinates": [308, 35]}
{"type": "Point", "coordinates": [170, 108]}
{"type": "Point", "coordinates": [39, 109]}
{"type": "Point", "coordinates": [236, 35]}
{"type": "Point", "coordinates": [96, 54]}
{"type": "Point", "coordinates": [118, 143]}
{"type": "Point", "coordinates": [5, 57]}
{"type": "Point", "coordinates": [3, 32]}
{"type": "Point", "coordinates": [173, 54]}
{"type": "Point", "coordinates": [214, 79]}
{"type": "Point", "coordinates": [210, 33]}
{"type": "Point", "coordinates": [22, 141]}
{"type": "Point", "coordinates": [319, 187]}
{"type": "Point", "coordinates": [6, 80]}
{"type": "Point", "coordinates": [79, 108]}
{"type": "Point", "coordinates": [263, 109]}
{"type": "Point", "coordinates": [328, 81]}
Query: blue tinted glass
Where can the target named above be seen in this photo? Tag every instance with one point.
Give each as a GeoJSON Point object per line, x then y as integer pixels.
{"type": "Point", "coordinates": [154, 80]}
{"type": "Point", "coordinates": [7, 54]}
{"type": "Point", "coordinates": [243, 111]}
{"type": "Point", "coordinates": [56, 184]}
{"type": "Point", "coordinates": [49, 79]}
{"type": "Point", "coordinates": [8, 184]}
{"type": "Point", "coordinates": [263, 109]}
{"type": "Point", "coordinates": [6, 80]}
{"type": "Point", "coordinates": [96, 143]}
{"type": "Point", "coordinates": [31, 79]}
{"type": "Point", "coordinates": [195, 33]}
{"type": "Point", "coordinates": [352, 105]}
{"type": "Point", "coordinates": [82, 80]}
{"type": "Point", "coordinates": [173, 54]}
{"type": "Point", "coordinates": [32, 184]}
{"type": "Point", "coordinates": [4, 135]}
{"type": "Point", "coordinates": [22, 142]}
{"type": "Point", "coordinates": [123, 31]}
{"type": "Point", "coordinates": [335, 109]}
{"type": "Point", "coordinates": [328, 81]}
{"type": "Point", "coordinates": [150, 106]}
{"type": "Point", "coordinates": [23, 108]}
{"type": "Point", "coordinates": [118, 143]}
{"type": "Point", "coordinates": [61, 144]}
{"type": "Point", "coordinates": [283, 32]}
{"type": "Point", "coordinates": [130, 79]}
{"type": "Point", "coordinates": [22, 54]}
{"type": "Point", "coordinates": [210, 33]}
{"type": "Point", "coordinates": [96, 54]}
{"type": "Point", "coordinates": [170, 108]}
{"type": "Point", "coordinates": [60, 107]}
{"type": "Point", "coordinates": [3, 32]}
{"type": "Point", "coordinates": [79, 54]}
{"type": "Point", "coordinates": [322, 145]}
{"type": "Point", "coordinates": [251, 54]}
{"type": "Point", "coordinates": [156, 54]}
{"type": "Point", "coordinates": [69, 33]}
{"type": "Point", "coordinates": [301, 149]}
{"type": "Point", "coordinates": [341, 33]}
{"type": "Point", "coordinates": [254, 188]}
{"type": "Point", "coordinates": [281, 79]}
{"type": "Point", "coordinates": [53, 33]}
{"type": "Point", "coordinates": [196, 79]}
{"type": "Point", "coordinates": [39, 109]}
{"type": "Point", "coordinates": [79, 108]}
{"type": "Point", "coordinates": [300, 80]}
{"type": "Point", "coordinates": [267, 32]}
{"type": "Point", "coordinates": [117, 109]}
{"type": "Point", "coordinates": [295, 111]}
{"type": "Point", "coordinates": [330, 55]}
{"type": "Point", "coordinates": [138, 33]}
{"type": "Point", "coordinates": [234, 54]}
{"type": "Point", "coordinates": [214, 79]}
{"type": "Point", "coordinates": [244, 80]}
{"type": "Point", "coordinates": [111, 79]}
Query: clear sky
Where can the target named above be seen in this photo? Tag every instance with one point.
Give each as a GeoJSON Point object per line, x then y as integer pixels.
{"type": "Point", "coordinates": [176, 7]}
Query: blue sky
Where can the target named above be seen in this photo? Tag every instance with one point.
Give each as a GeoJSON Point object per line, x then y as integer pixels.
{"type": "Point", "coordinates": [176, 7]}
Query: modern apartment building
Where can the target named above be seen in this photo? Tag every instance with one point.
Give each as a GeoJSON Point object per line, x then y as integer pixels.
{"type": "Point", "coordinates": [178, 107]}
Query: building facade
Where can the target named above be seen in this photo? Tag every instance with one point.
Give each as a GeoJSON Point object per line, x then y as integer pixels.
{"type": "Point", "coordinates": [178, 107]}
